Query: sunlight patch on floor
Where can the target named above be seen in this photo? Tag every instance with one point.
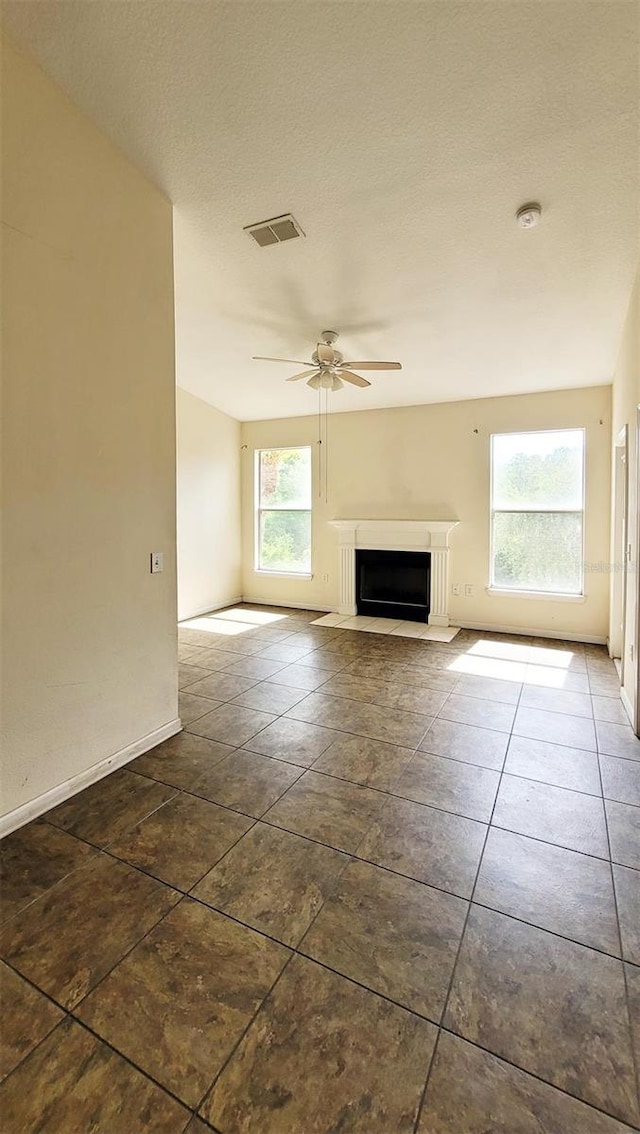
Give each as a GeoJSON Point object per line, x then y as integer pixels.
{"type": "Point", "coordinates": [547, 676]}
{"type": "Point", "coordinates": [559, 659]}
{"type": "Point", "coordinates": [243, 614]}
{"type": "Point", "coordinates": [488, 667]}
{"type": "Point", "coordinates": [219, 626]}
{"type": "Point", "coordinates": [506, 651]}
{"type": "Point", "coordinates": [235, 620]}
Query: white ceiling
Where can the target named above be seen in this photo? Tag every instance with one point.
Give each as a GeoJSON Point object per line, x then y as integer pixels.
{"type": "Point", "coordinates": [402, 136]}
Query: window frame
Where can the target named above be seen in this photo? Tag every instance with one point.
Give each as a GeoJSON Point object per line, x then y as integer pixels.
{"type": "Point", "coordinates": [524, 592]}
{"type": "Point", "coordinates": [259, 510]}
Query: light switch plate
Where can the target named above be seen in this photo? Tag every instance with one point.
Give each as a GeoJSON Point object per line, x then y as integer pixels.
{"type": "Point", "coordinates": [157, 562]}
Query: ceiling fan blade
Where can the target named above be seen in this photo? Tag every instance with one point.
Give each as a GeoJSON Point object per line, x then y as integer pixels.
{"type": "Point", "coordinates": [354, 379]}
{"type": "Point", "coordinates": [305, 374]}
{"type": "Point", "coordinates": [375, 365]}
{"type": "Point", "coordinates": [294, 361]}
{"type": "Point", "coordinates": [326, 353]}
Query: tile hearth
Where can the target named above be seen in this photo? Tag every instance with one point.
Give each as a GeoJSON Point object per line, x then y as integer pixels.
{"type": "Point", "coordinates": [399, 628]}
{"type": "Point", "coordinates": [380, 884]}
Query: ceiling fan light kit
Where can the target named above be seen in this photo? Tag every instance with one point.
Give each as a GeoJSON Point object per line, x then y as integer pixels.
{"type": "Point", "coordinates": [329, 370]}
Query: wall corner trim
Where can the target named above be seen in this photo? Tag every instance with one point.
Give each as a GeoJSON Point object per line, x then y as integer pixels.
{"type": "Point", "coordinates": [626, 701]}
{"type": "Point", "coordinates": [58, 794]}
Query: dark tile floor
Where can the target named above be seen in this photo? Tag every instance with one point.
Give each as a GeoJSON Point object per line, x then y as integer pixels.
{"type": "Point", "coordinates": [377, 885]}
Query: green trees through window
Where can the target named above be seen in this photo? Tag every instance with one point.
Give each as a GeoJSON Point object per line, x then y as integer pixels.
{"type": "Point", "coordinates": [284, 510]}
{"type": "Point", "coordinates": [537, 511]}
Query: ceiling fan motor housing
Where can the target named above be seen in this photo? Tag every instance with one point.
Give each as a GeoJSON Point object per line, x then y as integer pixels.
{"type": "Point", "coordinates": [337, 358]}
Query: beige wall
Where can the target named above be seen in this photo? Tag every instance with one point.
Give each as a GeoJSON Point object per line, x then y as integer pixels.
{"type": "Point", "coordinates": [89, 637]}
{"type": "Point", "coordinates": [626, 398]}
{"type": "Point", "coordinates": [209, 551]}
{"type": "Point", "coordinates": [432, 462]}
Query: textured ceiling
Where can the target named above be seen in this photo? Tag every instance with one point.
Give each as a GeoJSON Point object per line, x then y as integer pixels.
{"type": "Point", "coordinates": [402, 136]}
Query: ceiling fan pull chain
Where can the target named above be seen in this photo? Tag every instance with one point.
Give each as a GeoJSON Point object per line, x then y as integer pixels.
{"type": "Point", "coordinates": [320, 455]}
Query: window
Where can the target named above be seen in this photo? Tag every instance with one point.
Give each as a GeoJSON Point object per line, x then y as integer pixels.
{"type": "Point", "coordinates": [284, 510]}
{"type": "Point", "coordinates": [537, 501]}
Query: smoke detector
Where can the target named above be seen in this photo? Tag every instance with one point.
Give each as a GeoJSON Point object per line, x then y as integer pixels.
{"type": "Point", "coordinates": [274, 231]}
{"type": "Point", "coordinates": [528, 216]}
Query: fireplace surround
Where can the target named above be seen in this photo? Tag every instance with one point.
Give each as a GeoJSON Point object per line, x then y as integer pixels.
{"type": "Point", "coordinates": [396, 535]}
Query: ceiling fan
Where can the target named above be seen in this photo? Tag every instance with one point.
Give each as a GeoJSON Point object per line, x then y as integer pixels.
{"type": "Point", "coordinates": [330, 371]}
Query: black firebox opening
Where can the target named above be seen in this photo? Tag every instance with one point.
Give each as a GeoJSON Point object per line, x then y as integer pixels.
{"type": "Point", "coordinates": [393, 584]}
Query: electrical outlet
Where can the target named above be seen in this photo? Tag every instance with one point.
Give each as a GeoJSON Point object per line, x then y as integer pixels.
{"type": "Point", "coordinates": [157, 562]}
{"type": "Point", "coordinates": [468, 590]}
{"type": "Point", "coordinates": [325, 577]}
{"type": "Point", "coordinates": [455, 590]}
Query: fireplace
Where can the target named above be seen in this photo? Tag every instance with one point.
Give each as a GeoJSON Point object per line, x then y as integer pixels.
{"type": "Point", "coordinates": [426, 536]}
{"type": "Point", "coordinates": [393, 584]}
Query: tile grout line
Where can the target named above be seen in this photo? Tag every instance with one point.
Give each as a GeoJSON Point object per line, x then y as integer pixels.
{"type": "Point", "coordinates": [147, 814]}
{"type": "Point", "coordinates": [353, 856]}
{"type": "Point", "coordinates": [54, 885]}
{"type": "Point", "coordinates": [36, 1046]}
{"type": "Point", "coordinates": [303, 770]}
{"type": "Point", "coordinates": [245, 746]}
{"type": "Point", "coordinates": [70, 1017]}
{"type": "Point", "coordinates": [132, 1063]}
{"type": "Point", "coordinates": [633, 1047]}
{"type": "Point", "coordinates": [186, 791]}
{"type": "Point", "coordinates": [245, 1030]}
{"type": "Point", "coordinates": [466, 922]}
{"type": "Point", "coordinates": [406, 799]}
{"type": "Point", "coordinates": [634, 1054]}
{"type": "Point", "coordinates": [66, 1016]}
{"type": "Point", "coordinates": [296, 950]}
{"type": "Point", "coordinates": [423, 1094]}
{"type": "Point", "coordinates": [437, 715]}
{"type": "Point", "coordinates": [539, 1079]}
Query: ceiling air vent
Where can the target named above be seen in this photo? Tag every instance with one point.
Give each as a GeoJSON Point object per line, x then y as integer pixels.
{"type": "Point", "coordinates": [274, 231]}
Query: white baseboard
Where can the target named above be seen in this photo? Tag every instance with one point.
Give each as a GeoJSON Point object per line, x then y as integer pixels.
{"type": "Point", "coordinates": [563, 635]}
{"type": "Point", "coordinates": [58, 794]}
{"type": "Point", "coordinates": [491, 628]}
{"type": "Point", "coordinates": [295, 605]}
{"type": "Point", "coordinates": [209, 609]}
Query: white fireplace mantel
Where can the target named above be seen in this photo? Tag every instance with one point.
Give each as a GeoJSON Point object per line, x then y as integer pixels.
{"type": "Point", "coordinates": [396, 535]}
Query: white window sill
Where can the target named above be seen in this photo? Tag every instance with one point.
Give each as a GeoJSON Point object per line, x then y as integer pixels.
{"type": "Point", "coordinates": [544, 596]}
{"type": "Point", "coordinates": [282, 574]}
